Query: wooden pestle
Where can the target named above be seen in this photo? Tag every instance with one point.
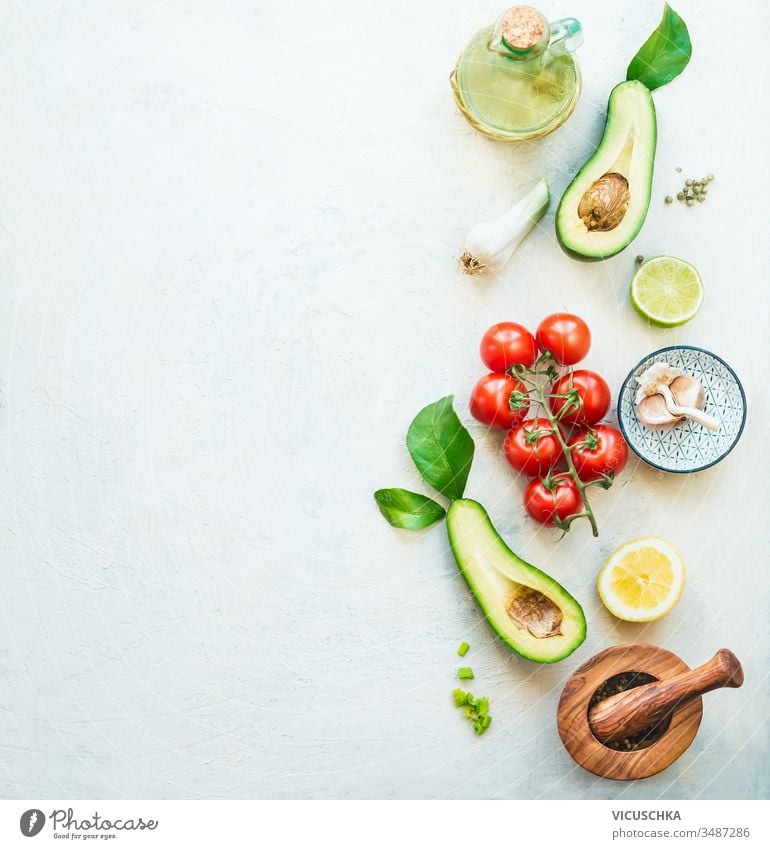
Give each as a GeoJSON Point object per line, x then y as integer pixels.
{"type": "Point", "coordinates": [634, 710]}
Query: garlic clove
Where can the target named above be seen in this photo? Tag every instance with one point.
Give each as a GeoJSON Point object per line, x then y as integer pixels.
{"type": "Point", "coordinates": [652, 411]}
{"type": "Point", "coordinates": [688, 392]}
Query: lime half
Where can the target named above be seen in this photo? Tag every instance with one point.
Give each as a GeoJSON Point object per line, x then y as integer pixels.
{"type": "Point", "coordinates": [667, 291]}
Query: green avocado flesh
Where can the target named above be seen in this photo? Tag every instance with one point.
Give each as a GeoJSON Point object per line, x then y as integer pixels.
{"type": "Point", "coordinates": [598, 192]}
{"type": "Point", "coordinates": [527, 609]}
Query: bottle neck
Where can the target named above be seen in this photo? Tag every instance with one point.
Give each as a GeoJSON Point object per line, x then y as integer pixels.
{"type": "Point", "coordinates": [521, 33]}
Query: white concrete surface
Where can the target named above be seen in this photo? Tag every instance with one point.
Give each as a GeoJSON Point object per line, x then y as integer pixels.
{"type": "Point", "coordinates": [228, 234]}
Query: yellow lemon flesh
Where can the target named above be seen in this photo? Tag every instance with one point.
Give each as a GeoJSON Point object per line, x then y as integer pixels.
{"type": "Point", "coordinates": [642, 580]}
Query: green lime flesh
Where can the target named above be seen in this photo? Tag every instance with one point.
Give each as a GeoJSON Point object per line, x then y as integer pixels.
{"type": "Point", "coordinates": [667, 291]}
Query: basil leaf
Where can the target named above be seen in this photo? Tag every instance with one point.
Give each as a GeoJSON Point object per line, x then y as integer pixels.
{"type": "Point", "coordinates": [410, 510]}
{"type": "Point", "coordinates": [442, 449]}
{"type": "Point", "coordinates": [664, 55]}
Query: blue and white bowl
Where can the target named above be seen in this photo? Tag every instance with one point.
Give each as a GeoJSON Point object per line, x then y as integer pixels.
{"type": "Point", "coordinates": [688, 446]}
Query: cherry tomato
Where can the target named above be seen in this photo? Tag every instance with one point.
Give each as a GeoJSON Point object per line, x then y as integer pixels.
{"type": "Point", "coordinates": [507, 344]}
{"type": "Point", "coordinates": [557, 496]}
{"type": "Point", "coordinates": [566, 336]}
{"type": "Point", "coordinates": [598, 451]}
{"type": "Point", "coordinates": [533, 448]}
{"type": "Point", "coordinates": [491, 400]}
{"type": "Point", "coordinates": [592, 397]}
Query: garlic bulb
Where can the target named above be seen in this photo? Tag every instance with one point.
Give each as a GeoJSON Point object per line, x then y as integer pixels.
{"type": "Point", "coordinates": [666, 395]}
{"type": "Point", "coordinates": [489, 245]}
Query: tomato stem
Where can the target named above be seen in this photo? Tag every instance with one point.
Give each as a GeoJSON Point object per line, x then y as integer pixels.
{"type": "Point", "coordinates": [587, 513]}
{"type": "Point", "coordinates": [526, 376]}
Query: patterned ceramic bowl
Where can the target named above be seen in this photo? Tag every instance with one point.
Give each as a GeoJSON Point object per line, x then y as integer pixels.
{"type": "Point", "coordinates": [686, 447]}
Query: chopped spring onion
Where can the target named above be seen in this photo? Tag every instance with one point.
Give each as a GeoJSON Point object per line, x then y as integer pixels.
{"type": "Point", "coordinates": [465, 673]}
{"type": "Point", "coordinates": [463, 650]}
{"type": "Point", "coordinates": [481, 724]}
{"type": "Point", "coordinates": [476, 710]}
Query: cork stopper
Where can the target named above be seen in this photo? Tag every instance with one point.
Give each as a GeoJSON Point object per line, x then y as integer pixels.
{"type": "Point", "coordinates": [522, 27]}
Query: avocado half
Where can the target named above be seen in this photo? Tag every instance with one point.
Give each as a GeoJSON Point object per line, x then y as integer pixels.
{"type": "Point", "coordinates": [604, 207]}
{"type": "Point", "coordinates": [530, 612]}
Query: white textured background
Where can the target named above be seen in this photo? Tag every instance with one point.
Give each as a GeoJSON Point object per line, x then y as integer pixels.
{"type": "Point", "coordinates": [228, 233]}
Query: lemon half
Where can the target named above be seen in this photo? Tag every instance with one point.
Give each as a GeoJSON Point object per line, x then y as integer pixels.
{"type": "Point", "coordinates": [642, 580]}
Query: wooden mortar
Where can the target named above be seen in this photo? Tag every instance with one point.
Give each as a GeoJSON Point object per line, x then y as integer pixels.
{"type": "Point", "coordinates": [672, 702]}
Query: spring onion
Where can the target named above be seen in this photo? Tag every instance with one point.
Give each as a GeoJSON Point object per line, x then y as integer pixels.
{"type": "Point", "coordinates": [489, 245]}
{"type": "Point", "coordinates": [465, 673]}
{"type": "Point", "coordinates": [476, 710]}
{"type": "Point", "coordinates": [463, 650]}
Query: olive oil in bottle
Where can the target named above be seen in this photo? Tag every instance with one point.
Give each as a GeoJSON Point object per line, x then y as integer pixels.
{"type": "Point", "coordinates": [518, 78]}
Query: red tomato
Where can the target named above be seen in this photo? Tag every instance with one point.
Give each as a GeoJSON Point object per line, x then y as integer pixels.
{"type": "Point", "coordinates": [507, 344]}
{"type": "Point", "coordinates": [592, 397]}
{"type": "Point", "coordinates": [566, 336]}
{"type": "Point", "coordinates": [598, 451]}
{"type": "Point", "coordinates": [554, 497]}
{"type": "Point", "coordinates": [491, 400]}
{"type": "Point", "coordinates": [533, 448]}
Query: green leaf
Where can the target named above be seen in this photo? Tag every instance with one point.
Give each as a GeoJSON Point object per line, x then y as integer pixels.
{"type": "Point", "coordinates": [442, 449]}
{"type": "Point", "coordinates": [410, 510]}
{"type": "Point", "coordinates": [664, 55]}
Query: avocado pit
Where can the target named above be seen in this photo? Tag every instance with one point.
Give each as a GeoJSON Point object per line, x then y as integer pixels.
{"type": "Point", "coordinates": [536, 612]}
{"type": "Point", "coordinates": [604, 204]}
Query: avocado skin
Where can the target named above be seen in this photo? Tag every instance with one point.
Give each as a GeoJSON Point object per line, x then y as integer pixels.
{"type": "Point", "coordinates": [572, 250]}
{"type": "Point", "coordinates": [580, 635]}
{"type": "Point", "coordinates": [573, 254]}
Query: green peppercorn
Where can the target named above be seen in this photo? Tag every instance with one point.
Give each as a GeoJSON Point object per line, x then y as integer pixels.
{"type": "Point", "coordinates": [688, 182]}
{"type": "Point", "coordinates": [680, 195]}
{"type": "Point", "coordinates": [701, 198]}
{"type": "Point", "coordinates": [710, 177]}
{"type": "Point", "coordinates": [669, 199]}
{"type": "Point", "coordinates": [690, 202]}
{"type": "Point", "coordinates": [678, 169]}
